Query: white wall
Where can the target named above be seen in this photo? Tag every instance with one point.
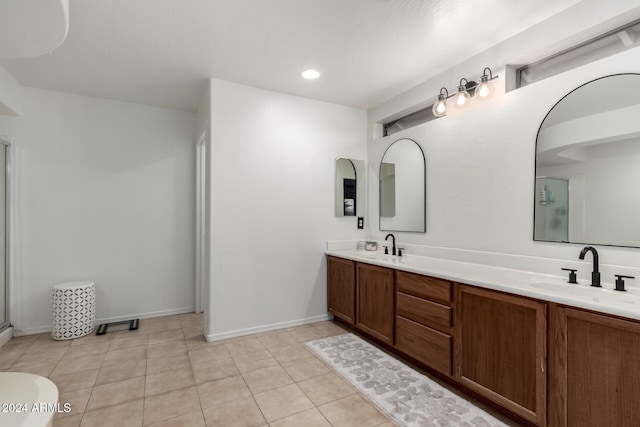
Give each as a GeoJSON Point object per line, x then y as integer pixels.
{"type": "Point", "coordinates": [480, 172]}
{"type": "Point", "coordinates": [10, 94]}
{"type": "Point", "coordinates": [272, 209]}
{"type": "Point", "coordinates": [103, 191]}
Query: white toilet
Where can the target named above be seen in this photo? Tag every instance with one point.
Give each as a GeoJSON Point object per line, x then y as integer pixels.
{"type": "Point", "coordinates": [27, 400]}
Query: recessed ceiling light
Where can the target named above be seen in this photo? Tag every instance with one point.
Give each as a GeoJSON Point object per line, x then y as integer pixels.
{"type": "Point", "coordinates": [310, 74]}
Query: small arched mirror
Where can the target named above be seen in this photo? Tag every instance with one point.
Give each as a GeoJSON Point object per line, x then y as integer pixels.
{"type": "Point", "coordinates": [349, 187]}
{"type": "Point", "coordinates": [402, 188]}
{"type": "Point", "coordinates": [588, 165]}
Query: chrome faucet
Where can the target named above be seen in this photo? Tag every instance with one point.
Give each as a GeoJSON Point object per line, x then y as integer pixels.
{"type": "Point", "coordinates": [393, 240]}
{"type": "Point", "coordinates": [595, 274]}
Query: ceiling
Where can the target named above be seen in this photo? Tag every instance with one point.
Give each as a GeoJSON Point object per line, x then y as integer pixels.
{"type": "Point", "coordinates": [161, 52]}
{"type": "Point", "coordinates": [30, 28]}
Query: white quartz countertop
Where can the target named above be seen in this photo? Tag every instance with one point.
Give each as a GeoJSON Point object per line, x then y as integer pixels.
{"type": "Point", "coordinates": [534, 285]}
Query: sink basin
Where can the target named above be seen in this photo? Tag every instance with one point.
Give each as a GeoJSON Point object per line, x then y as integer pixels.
{"type": "Point", "coordinates": [567, 288]}
{"type": "Point", "coordinates": [585, 292]}
{"type": "Point", "coordinates": [377, 256]}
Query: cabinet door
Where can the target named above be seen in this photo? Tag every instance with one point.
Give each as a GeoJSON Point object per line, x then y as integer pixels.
{"type": "Point", "coordinates": [500, 350]}
{"type": "Point", "coordinates": [374, 311]}
{"type": "Point", "coordinates": [341, 283]}
{"type": "Point", "coordinates": [595, 370]}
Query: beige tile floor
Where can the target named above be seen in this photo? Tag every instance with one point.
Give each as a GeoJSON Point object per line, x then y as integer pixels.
{"type": "Point", "coordinates": [166, 374]}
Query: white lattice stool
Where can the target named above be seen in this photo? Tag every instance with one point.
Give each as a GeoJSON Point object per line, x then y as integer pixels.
{"type": "Point", "coordinates": [73, 310]}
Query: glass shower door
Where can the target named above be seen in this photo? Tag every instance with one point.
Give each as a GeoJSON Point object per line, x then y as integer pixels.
{"type": "Point", "coordinates": [551, 212]}
{"type": "Point", "coordinates": [4, 321]}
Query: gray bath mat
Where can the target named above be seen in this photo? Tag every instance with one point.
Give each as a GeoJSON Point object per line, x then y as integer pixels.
{"type": "Point", "coordinates": [405, 395]}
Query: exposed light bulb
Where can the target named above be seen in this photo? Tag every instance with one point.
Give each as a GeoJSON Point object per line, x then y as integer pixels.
{"type": "Point", "coordinates": [462, 99]}
{"type": "Point", "coordinates": [485, 88]}
{"type": "Point", "coordinates": [440, 107]}
{"type": "Point", "coordinates": [310, 74]}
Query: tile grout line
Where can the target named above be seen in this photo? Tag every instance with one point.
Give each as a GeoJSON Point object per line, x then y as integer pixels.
{"type": "Point", "coordinates": [195, 382]}
{"type": "Point", "coordinates": [144, 388]}
{"type": "Point", "coordinates": [294, 382]}
{"type": "Point", "coordinates": [314, 404]}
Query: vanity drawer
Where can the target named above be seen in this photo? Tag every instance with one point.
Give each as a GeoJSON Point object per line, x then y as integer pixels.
{"type": "Point", "coordinates": [428, 313]}
{"type": "Point", "coordinates": [424, 344]}
{"type": "Point", "coordinates": [424, 287]}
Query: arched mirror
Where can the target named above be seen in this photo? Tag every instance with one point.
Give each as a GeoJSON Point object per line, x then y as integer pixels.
{"type": "Point", "coordinates": [349, 187]}
{"type": "Point", "coordinates": [588, 165]}
{"type": "Point", "coordinates": [402, 188]}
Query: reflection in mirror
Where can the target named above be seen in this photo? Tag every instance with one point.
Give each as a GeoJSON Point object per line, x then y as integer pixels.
{"type": "Point", "coordinates": [552, 209]}
{"type": "Point", "coordinates": [402, 188]}
{"type": "Point", "coordinates": [349, 187]}
{"type": "Point", "coordinates": [588, 165]}
{"type": "Point", "coordinates": [387, 190]}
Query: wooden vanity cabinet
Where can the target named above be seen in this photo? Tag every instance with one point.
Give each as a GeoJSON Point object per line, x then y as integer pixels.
{"type": "Point", "coordinates": [500, 350]}
{"type": "Point", "coordinates": [495, 343]}
{"type": "Point", "coordinates": [424, 319]}
{"type": "Point", "coordinates": [374, 301]}
{"type": "Point", "coordinates": [341, 288]}
{"type": "Point", "coordinates": [594, 377]}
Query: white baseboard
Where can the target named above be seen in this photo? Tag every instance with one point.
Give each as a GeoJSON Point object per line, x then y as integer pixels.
{"type": "Point", "coordinates": [5, 336]}
{"type": "Point", "coordinates": [42, 329]}
{"type": "Point", "coordinates": [266, 328]}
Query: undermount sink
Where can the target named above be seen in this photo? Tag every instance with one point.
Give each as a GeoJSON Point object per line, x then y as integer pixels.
{"type": "Point", "coordinates": [567, 288]}
{"type": "Point", "coordinates": [377, 256]}
{"type": "Point", "coordinates": [585, 292]}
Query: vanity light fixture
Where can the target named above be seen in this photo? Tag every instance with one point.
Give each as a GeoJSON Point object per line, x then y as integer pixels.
{"type": "Point", "coordinates": [440, 107]}
{"type": "Point", "coordinates": [310, 74]}
{"type": "Point", "coordinates": [466, 90]}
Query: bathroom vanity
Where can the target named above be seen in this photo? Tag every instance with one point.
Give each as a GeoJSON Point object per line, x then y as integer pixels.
{"type": "Point", "coordinates": [527, 351]}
